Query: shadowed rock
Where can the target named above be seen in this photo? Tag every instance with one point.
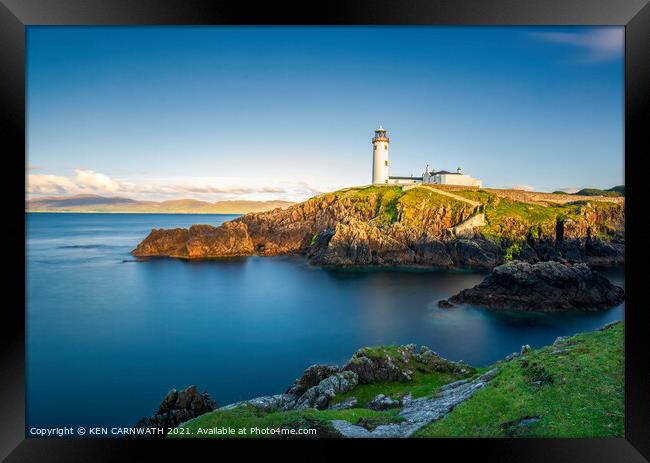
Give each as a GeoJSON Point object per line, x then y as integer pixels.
{"type": "Point", "coordinates": [320, 395]}
{"type": "Point", "coordinates": [310, 378]}
{"type": "Point", "coordinates": [545, 286]}
{"type": "Point", "coordinates": [178, 407]}
{"type": "Point", "coordinates": [382, 402]}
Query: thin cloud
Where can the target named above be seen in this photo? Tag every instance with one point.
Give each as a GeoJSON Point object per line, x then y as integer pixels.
{"type": "Point", "coordinates": [95, 181]}
{"type": "Point", "coordinates": [600, 44]}
{"type": "Point", "coordinates": [519, 187]}
{"type": "Point", "coordinates": [85, 181]}
{"type": "Point", "coordinates": [49, 184]}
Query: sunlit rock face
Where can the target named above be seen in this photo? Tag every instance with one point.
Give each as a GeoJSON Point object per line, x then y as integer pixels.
{"type": "Point", "coordinates": [387, 226]}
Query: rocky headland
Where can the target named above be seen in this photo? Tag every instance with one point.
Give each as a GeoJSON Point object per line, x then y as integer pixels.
{"type": "Point", "coordinates": [421, 226]}
{"type": "Point", "coordinates": [403, 391]}
{"type": "Point", "coordinates": [544, 286]}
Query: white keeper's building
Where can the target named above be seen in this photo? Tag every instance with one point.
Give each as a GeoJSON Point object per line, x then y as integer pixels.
{"type": "Point", "coordinates": [441, 177]}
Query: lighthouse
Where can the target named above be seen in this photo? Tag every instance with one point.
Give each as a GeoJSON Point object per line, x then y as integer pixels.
{"type": "Point", "coordinates": [380, 157]}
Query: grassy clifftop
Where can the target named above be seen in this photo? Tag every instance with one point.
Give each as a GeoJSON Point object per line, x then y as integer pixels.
{"type": "Point", "coordinates": [414, 225]}
{"type": "Point", "coordinates": [393, 204]}
{"type": "Point", "coordinates": [580, 394]}
{"type": "Point", "coordinates": [506, 217]}
{"type": "Point", "coordinates": [573, 388]}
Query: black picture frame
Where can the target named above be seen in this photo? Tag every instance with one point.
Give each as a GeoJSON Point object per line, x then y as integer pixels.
{"type": "Point", "coordinates": [15, 15]}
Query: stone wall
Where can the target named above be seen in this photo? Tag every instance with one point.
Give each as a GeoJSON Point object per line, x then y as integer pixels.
{"type": "Point", "coordinates": [475, 221]}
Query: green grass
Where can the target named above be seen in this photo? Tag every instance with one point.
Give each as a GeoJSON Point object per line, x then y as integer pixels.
{"type": "Point", "coordinates": [422, 385]}
{"type": "Point", "coordinates": [384, 199]}
{"type": "Point", "coordinates": [481, 196]}
{"type": "Point", "coordinates": [416, 201]}
{"type": "Point", "coordinates": [508, 222]}
{"type": "Point", "coordinates": [584, 399]}
{"type": "Point", "coordinates": [517, 221]}
{"type": "Point", "coordinates": [582, 395]}
{"type": "Point", "coordinates": [248, 417]}
{"type": "Point", "coordinates": [512, 251]}
{"type": "Point", "coordinates": [425, 379]}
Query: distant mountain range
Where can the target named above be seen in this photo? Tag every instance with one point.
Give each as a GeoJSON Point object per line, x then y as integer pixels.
{"type": "Point", "coordinates": [614, 191]}
{"type": "Point", "coordinates": [96, 203]}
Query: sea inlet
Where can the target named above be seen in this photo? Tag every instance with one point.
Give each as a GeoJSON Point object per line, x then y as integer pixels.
{"type": "Point", "coordinates": [109, 335]}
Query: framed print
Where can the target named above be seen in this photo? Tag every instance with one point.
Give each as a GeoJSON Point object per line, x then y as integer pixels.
{"type": "Point", "coordinates": [361, 225]}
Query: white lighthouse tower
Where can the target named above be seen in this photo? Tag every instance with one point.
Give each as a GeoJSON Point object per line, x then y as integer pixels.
{"type": "Point", "coordinates": [380, 157]}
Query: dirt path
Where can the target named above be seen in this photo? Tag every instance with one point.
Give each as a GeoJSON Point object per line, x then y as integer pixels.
{"type": "Point", "coordinates": [451, 195]}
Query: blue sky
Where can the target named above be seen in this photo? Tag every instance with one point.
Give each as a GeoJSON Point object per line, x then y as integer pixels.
{"type": "Point", "coordinates": [284, 112]}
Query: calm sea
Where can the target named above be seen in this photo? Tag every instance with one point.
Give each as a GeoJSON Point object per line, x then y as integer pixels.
{"type": "Point", "coordinates": [108, 336]}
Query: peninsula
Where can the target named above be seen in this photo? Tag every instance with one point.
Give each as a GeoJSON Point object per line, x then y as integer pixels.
{"type": "Point", "coordinates": [415, 225]}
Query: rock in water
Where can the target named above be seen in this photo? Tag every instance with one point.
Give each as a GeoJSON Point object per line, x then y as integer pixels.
{"type": "Point", "coordinates": [178, 407]}
{"type": "Point", "coordinates": [545, 286]}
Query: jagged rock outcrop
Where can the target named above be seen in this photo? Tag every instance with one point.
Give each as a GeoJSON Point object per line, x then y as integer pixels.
{"type": "Point", "coordinates": [544, 286]}
{"type": "Point", "coordinates": [320, 384]}
{"type": "Point", "coordinates": [178, 407]}
{"type": "Point", "coordinates": [478, 253]}
{"type": "Point", "coordinates": [319, 396]}
{"type": "Point", "coordinates": [230, 239]}
{"type": "Point", "coordinates": [311, 377]}
{"type": "Point", "coordinates": [392, 227]}
{"type": "Point", "coordinates": [316, 388]}
{"type": "Point", "coordinates": [398, 363]}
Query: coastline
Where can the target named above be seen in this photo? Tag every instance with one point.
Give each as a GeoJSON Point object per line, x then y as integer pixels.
{"type": "Point", "coordinates": [400, 391]}
{"type": "Point", "coordinates": [134, 212]}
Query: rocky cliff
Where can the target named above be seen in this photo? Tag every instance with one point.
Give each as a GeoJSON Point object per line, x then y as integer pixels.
{"type": "Point", "coordinates": [387, 225]}
{"type": "Point", "coordinates": [544, 286]}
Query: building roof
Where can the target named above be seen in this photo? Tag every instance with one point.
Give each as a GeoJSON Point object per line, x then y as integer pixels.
{"type": "Point", "coordinates": [405, 178]}
{"type": "Point", "coordinates": [446, 172]}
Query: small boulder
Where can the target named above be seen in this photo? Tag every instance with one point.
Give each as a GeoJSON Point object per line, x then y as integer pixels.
{"type": "Point", "coordinates": [560, 351]}
{"type": "Point", "coordinates": [382, 402]}
{"type": "Point", "coordinates": [489, 375]}
{"type": "Point", "coordinates": [512, 356]}
{"type": "Point", "coordinates": [609, 325]}
{"type": "Point", "coordinates": [445, 304]}
{"type": "Point", "coordinates": [273, 403]}
{"type": "Point", "coordinates": [520, 426]}
{"type": "Point", "coordinates": [349, 403]}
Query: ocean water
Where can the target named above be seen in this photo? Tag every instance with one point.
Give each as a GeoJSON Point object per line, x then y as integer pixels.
{"type": "Point", "coordinates": [108, 336]}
